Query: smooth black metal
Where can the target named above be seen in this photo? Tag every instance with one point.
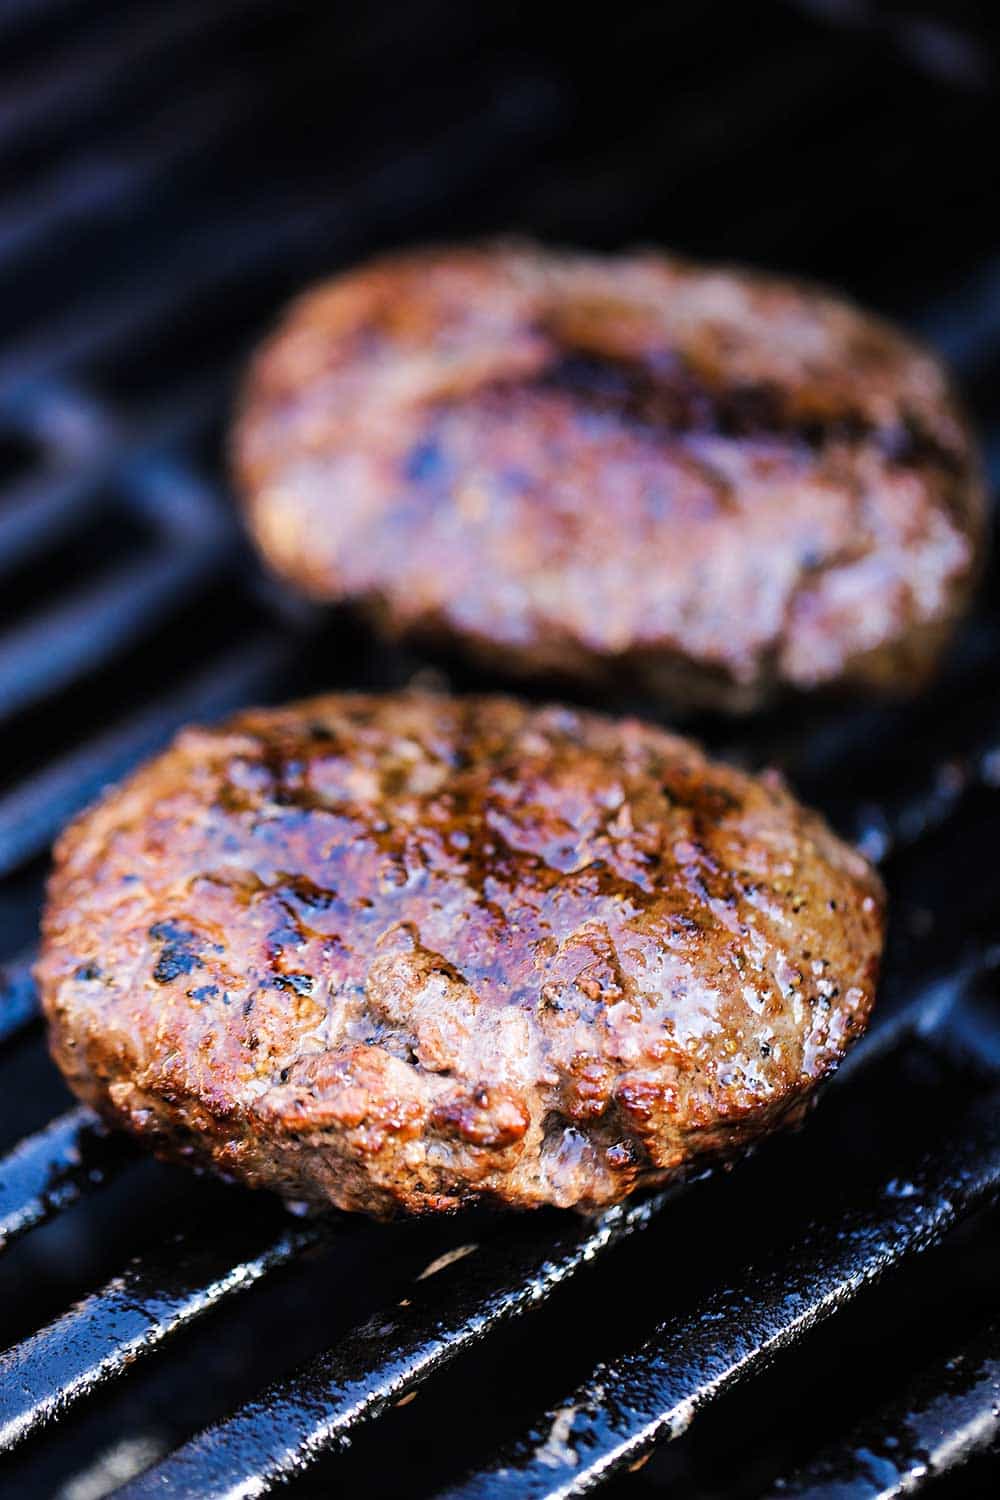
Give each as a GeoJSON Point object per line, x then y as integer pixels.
{"type": "Point", "coordinates": [49, 1171]}
{"type": "Point", "coordinates": [106, 185]}
{"type": "Point", "coordinates": [103, 1336]}
{"type": "Point", "coordinates": [89, 628]}
{"type": "Point", "coordinates": [886, 828]}
{"type": "Point", "coordinates": [949, 1414]}
{"type": "Point", "coordinates": [85, 458]}
{"type": "Point", "coordinates": [38, 512]}
{"type": "Point", "coordinates": [654, 1393]}
{"type": "Point", "coordinates": [18, 998]}
{"type": "Point", "coordinates": [41, 805]}
{"type": "Point", "coordinates": [81, 78]}
{"type": "Point", "coordinates": [217, 260]}
{"type": "Point", "coordinates": [296, 1420]}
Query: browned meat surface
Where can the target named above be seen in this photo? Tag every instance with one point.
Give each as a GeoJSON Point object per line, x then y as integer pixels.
{"type": "Point", "coordinates": [417, 951]}
{"type": "Point", "coordinates": [713, 482]}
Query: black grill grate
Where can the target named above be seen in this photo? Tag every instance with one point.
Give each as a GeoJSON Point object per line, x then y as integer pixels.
{"type": "Point", "coordinates": [169, 175]}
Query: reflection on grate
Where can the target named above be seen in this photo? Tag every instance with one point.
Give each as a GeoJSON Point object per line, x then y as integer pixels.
{"type": "Point", "coordinates": [169, 175]}
{"type": "Point", "coordinates": [948, 1415]}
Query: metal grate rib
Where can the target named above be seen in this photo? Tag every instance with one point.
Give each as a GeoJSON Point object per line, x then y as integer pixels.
{"type": "Point", "coordinates": [289, 1426]}
{"type": "Point", "coordinates": [48, 1171]}
{"type": "Point", "coordinates": [947, 1416]}
{"type": "Point", "coordinates": [104, 1335]}
{"type": "Point", "coordinates": [654, 1393]}
{"type": "Point", "coordinates": [33, 813]}
{"type": "Point", "coordinates": [18, 1000]}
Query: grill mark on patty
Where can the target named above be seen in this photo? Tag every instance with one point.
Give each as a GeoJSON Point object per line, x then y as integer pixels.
{"type": "Point", "coordinates": [663, 395]}
{"type": "Point", "coordinates": [603, 1036]}
{"type": "Point", "coordinates": [179, 953]}
{"type": "Point", "coordinates": [664, 400]}
{"type": "Point", "coordinates": [530, 455]}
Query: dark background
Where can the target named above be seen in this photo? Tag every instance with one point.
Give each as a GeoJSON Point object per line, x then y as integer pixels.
{"type": "Point", "coordinates": [169, 174]}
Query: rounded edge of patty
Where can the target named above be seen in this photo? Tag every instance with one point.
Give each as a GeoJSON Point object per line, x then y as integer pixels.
{"type": "Point", "coordinates": [412, 952]}
{"type": "Point", "coordinates": [707, 481]}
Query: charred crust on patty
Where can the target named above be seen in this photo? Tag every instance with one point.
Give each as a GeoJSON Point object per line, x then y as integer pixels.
{"type": "Point", "coordinates": [710, 482]}
{"type": "Point", "coordinates": [452, 950]}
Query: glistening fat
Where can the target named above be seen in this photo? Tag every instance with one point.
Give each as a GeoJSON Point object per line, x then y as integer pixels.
{"type": "Point", "coordinates": [414, 952]}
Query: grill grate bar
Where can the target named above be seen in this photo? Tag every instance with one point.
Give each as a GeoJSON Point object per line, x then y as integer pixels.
{"type": "Point", "coordinates": [160, 1294]}
{"type": "Point", "coordinates": [84, 78]}
{"type": "Point", "coordinates": [91, 627]}
{"type": "Point", "coordinates": [107, 1332]}
{"type": "Point", "coordinates": [318, 1407]}
{"type": "Point", "coordinates": [884, 829]}
{"type": "Point", "coordinates": [32, 814]}
{"type": "Point", "coordinates": [48, 1171]}
{"type": "Point", "coordinates": [101, 186]}
{"type": "Point", "coordinates": [227, 256]}
{"type": "Point", "coordinates": [18, 998]}
{"type": "Point", "coordinates": [654, 1392]}
{"type": "Point", "coordinates": [947, 1416]}
{"type": "Point", "coordinates": [935, 1007]}
{"type": "Point", "coordinates": [37, 514]}
{"type": "Point", "coordinates": [298, 1418]}
{"type": "Point", "coordinates": [58, 416]}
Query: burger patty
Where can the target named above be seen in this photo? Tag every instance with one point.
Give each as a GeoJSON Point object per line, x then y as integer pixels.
{"type": "Point", "coordinates": [712, 482]}
{"type": "Point", "coordinates": [410, 951]}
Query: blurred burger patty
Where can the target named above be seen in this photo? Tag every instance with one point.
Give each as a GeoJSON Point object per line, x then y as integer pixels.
{"type": "Point", "coordinates": [711, 482]}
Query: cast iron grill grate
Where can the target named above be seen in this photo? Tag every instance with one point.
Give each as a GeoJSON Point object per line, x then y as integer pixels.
{"type": "Point", "coordinates": [169, 175]}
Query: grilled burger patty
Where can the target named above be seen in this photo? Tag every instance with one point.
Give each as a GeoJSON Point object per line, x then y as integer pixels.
{"type": "Point", "coordinates": [416, 951]}
{"type": "Point", "coordinates": [711, 481]}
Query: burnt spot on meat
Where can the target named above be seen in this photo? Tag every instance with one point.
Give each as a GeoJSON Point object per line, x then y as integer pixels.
{"type": "Point", "coordinates": [301, 889]}
{"type": "Point", "coordinates": [664, 394]}
{"type": "Point", "coordinates": [704, 799]}
{"type": "Point", "coordinates": [630, 469]}
{"type": "Point", "coordinates": [286, 933]}
{"type": "Point", "coordinates": [664, 397]}
{"type": "Point", "coordinates": [531, 1027]}
{"type": "Point", "coordinates": [909, 443]}
{"type": "Point", "coordinates": [299, 984]}
{"type": "Point", "coordinates": [179, 953]}
{"type": "Point", "coordinates": [203, 992]}
{"type": "Point", "coordinates": [287, 939]}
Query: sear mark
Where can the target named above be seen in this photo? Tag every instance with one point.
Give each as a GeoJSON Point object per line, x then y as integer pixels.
{"type": "Point", "coordinates": [178, 954]}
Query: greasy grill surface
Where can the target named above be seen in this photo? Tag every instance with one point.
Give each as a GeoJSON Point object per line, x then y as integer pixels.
{"type": "Point", "coordinates": [169, 175]}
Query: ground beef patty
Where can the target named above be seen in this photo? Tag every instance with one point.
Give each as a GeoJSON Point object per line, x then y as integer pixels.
{"type": "Point", "coordinates": [711, 482]}
{"type": "Point", "coordinates": [415, 951]}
